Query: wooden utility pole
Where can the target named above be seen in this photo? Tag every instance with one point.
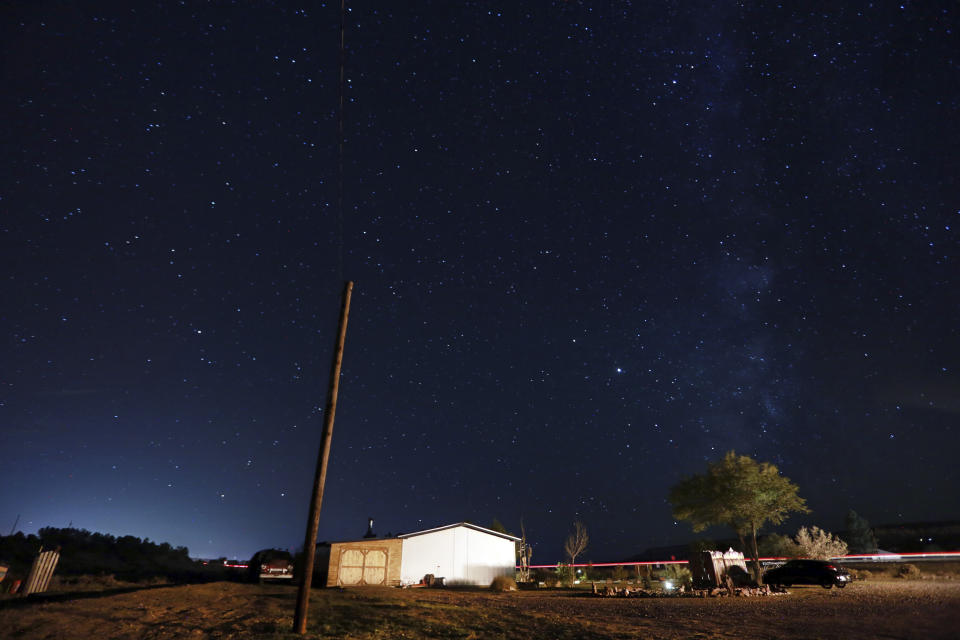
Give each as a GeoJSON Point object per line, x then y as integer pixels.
{"type": "Point", "coordinates": [320, 477]}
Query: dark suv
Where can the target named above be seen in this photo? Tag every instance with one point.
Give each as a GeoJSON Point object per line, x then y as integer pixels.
{"type": "Point", "coordinates": [818, 572]}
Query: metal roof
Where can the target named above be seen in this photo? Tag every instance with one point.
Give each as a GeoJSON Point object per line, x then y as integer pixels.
{"type": "Point", "coordinates": [468, 525]}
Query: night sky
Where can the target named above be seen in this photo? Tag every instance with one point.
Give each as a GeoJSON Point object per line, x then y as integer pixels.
{"type": "Point", "coordinates": [595, 245]}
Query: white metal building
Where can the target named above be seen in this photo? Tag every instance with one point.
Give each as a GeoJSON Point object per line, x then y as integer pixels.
{"type": "Point", "coordinates": [461, 553]}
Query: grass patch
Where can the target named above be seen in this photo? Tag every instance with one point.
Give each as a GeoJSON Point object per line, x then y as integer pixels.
{"type": "Point", "coordinates": [865, 610]}
{"type": "Point", "coordinates": [364, 615]}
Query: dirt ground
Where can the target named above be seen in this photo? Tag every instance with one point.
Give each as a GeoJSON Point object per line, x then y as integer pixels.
{"type": "Point", "coordinates": [882, 609]}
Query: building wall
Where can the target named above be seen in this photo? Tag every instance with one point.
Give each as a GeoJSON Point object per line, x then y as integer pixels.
{"type": "Point", "coordinates": [487, 557]}
{"type": "Point", "coordinates": [428, 553]}
{"type": "Point", "coordinates": [460, 555]}
{"type": "Point", "coordinates": [321, 565]}
{"type": "Point", "coordinates": [365, 562]}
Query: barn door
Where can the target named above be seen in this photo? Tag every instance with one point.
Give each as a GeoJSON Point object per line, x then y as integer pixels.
{"type": "Point", "coordinates": [375, 567]}
{"type": "Point", "coordinates": [363, 566]}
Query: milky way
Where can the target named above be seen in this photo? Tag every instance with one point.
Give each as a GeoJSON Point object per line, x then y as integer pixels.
{"type": "Point", "coordinates": [594, 247]}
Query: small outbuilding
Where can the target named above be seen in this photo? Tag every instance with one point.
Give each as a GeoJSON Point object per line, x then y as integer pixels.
{"type": "Point", "coordinates": [371, 561]}
{"type": "Point", "coordinates": [711, 568]}
{"type": "Point", "coordinates": [461, 554]}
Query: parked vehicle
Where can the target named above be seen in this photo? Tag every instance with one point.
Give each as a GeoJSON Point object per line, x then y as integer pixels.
{"type": "Point", "coordinates": [271, 564]}
{"type": "Point", "coordinates": [818, 572]}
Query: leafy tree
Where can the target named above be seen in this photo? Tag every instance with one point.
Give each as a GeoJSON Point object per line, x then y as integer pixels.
{"type": "Point", "coordinates": [860, 536]}
{"type": "Point", "coordinates": [740, 493]}
{"type": "Point", "coordinates": [576, 542]}
{"type": "Point", "coordinates": [819, 544]}
{"type": "Point", "coordinates": [779, 546]}
{"type": "Point", "coordinates": [83, 552]}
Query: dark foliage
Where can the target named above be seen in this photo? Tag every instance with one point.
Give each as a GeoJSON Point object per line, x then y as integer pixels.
{"type": "Point", "coordinates": [859, 535]}
{"type": "Point", "coordinates": [84, 553]}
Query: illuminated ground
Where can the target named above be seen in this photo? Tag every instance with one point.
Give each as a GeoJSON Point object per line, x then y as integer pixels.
{"type": "Point", "coordinates": [888, 609]}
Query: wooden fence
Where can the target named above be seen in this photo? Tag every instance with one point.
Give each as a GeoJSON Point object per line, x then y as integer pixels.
{"type": "Point", "coordinates": [40, 573]}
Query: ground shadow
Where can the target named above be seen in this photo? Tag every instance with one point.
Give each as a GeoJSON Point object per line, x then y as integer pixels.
{"type": "Point", "coordinates": [277, 596]}
{"type": "Point", "coordinates": [43, 598]}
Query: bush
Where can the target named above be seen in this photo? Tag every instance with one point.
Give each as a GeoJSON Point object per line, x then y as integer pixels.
{"type": "Point", "coordinates": [644, 575]}
{"type": "Point", "coordinates": [819, 544]}
{"type": "Point", "coordinates": [908, 572]}
{"type": "Point", "coordinates": [678, 574]}
{"type": "Point", "coordinates": [503, 583]}
{"type": "Point", "coordinates": [739, 576]}
{"type": "Point", "coordinates": [84, 553]}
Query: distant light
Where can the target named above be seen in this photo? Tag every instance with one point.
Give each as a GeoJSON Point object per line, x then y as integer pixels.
{"type": "Point", "coordinates": [668, 585]}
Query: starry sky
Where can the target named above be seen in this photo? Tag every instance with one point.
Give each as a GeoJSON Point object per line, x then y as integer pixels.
{"type": "Point", "coordinates": [595, 245]}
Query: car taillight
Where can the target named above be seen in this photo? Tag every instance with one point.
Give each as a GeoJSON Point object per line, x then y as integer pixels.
{"type": "Point", "coordinates": [830, 566]}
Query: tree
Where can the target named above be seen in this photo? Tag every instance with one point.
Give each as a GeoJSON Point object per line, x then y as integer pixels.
{"type": "Point", "coordinates": [497, 526]}
{"type": "Point", "coordinates": [576, 542]}
{"type": "Point", "coordinates": [860, 536]}
{"type": "Point", "coordinates": [522, 550]}
{"type": "Point", "coordinates": [702, 544]}
{"type": "Point", "coordinates": [820, 545]}
{"type": "Point", "coordinates": [524, 553]}
{"type": "Point", "coordinates": [778, 546]}
{"type": "Point", "coordinates": [740, 493]}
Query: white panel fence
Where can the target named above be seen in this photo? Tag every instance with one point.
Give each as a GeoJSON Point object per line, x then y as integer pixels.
{"type": "Point", "coordinates": [40, 573]}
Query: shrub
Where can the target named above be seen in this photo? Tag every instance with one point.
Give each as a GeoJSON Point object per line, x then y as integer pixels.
{"type": "Point", "coordinates": [644, 575]}
{"type": "Point", "coordinates": [564, 574]}
{"type": "Point", "coordinates": [503, 583]}
{"type": "Point", "coordinates": [738, 576]}
{"type": "Point", "coordinates": [678, 574]}
{"type": "Point", "coordinates": [546, 576]}
{"type": "Point", "coordinates": [908, 572]}
{"type": "Point", "coordinates": [819, 544]}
